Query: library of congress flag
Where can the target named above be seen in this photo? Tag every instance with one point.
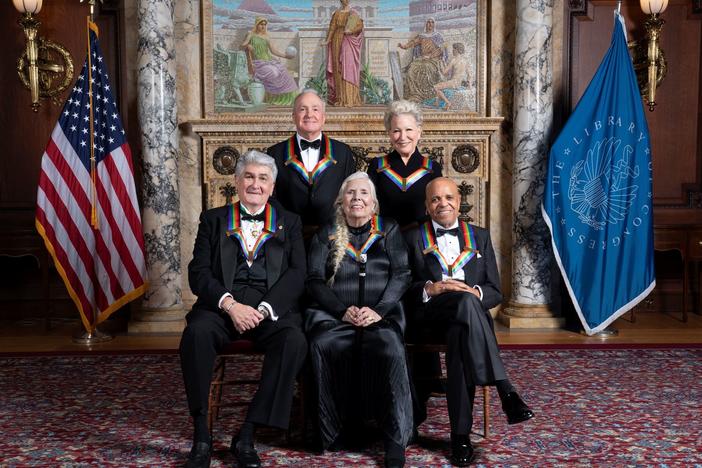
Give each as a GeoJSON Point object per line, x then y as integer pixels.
{"type": "Point", "coordinates": [597, 198]}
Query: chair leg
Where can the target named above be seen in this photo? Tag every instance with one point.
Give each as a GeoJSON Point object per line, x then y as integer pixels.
{"type": "Point", "coordinates": [215, 398]}
{"type": "Point", "coordinates": [486, 412]}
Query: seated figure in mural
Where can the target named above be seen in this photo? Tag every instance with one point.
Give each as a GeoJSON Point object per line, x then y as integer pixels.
{"type": "Point", "coordinates": [344, 41]}
{"type": "Point", "coordinates": [457, 73]}
{"type": "Point", "coordinates": [281, 88]}
{"type": "Point", "coordinates": [428, 58]}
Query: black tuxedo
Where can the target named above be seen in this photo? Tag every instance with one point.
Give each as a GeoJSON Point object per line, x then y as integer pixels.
{"type": "Point", "coordinates": [313, 202]}
{"type": "Point", "coordinates": [211, 273]}
{"type": "Point", "coordinates": [461, 320]}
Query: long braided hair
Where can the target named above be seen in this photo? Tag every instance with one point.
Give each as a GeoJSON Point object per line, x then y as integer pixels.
{"type": "Point", "coordinates": [340, 238]}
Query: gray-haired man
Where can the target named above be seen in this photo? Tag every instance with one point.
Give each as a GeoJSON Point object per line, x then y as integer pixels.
{"type": "Point", "coordinates": [248, 271]}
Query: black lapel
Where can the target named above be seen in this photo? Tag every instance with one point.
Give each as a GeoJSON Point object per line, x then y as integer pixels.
{"type": "Point", "coordinates": [430, 260]}
{"type": "Point", "coordinates": [229, 254]}
{"type": "Point", "coordinates": [274, 250]}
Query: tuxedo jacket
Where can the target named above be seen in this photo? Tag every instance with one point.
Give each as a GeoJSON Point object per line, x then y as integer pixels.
{"type": "Point", "coordinates": [480, 270]}
{"type": "Point", "coordinates": [215, 256]}
{"type": "Point", "coordinates": [315, 203]}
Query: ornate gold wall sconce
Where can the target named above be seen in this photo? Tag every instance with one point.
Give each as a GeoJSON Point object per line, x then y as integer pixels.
{"type": "Point", "coordinates": [45, 67]}
{"type": "Point", "coordinates": [654, 65]}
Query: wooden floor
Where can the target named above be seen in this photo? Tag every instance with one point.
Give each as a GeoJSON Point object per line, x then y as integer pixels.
{"type": "Point", "coordinates": [648, 328]}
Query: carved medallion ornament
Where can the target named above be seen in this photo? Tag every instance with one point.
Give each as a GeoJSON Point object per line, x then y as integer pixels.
{"type": "Point", "coordinates": [224, 160]}
{"type": "Point", "coordinates": [360, 156]}
{"type": "Point", "coordinates": [465, 159]}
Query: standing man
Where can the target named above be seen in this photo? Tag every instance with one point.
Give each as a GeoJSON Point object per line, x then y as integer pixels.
{"type": "Point", "coordinates": [456, 282]}
{"type": "Point", "coordinates": [311, 165]}
{"type": "Point", "coordinates": [248, 271]}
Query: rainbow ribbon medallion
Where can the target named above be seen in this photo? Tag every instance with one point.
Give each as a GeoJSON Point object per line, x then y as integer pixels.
{"type": "Point", "coordinates": [376, 232]}
{"type": "Point", "coordinates": [326, 160]}
{"type": "Point", "coordinates": [404, 183]}
{"type": "Point", "coordinates": [234, 229]}
{"type": "Point", "coordinates": [469, 250]}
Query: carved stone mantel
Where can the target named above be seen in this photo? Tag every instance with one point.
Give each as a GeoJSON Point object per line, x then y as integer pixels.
{"type": "Point", "coordinates": [459, 141]}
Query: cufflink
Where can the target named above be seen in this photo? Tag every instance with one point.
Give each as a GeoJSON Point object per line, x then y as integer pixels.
{"type": "Point", "coordinates": [264, 312]}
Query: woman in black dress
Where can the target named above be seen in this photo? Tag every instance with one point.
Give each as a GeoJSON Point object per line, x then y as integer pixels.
{"type": "Point", "coordinates": [402, 176]}
{"type": "Point", "coordinates": [357, 273]}
{"type": "Point", "coordinates": [401, 179]}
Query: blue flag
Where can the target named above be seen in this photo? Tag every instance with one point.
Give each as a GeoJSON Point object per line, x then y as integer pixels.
{"type": "Point", "coordinates": [597, 200]}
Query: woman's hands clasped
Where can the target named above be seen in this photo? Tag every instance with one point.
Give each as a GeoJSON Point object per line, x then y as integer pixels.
{"type": "Point", "coordinates": [361, 317]}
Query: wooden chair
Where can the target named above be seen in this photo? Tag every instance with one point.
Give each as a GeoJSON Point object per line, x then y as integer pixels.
{"type": "Point", "coordinates": [239, 349]}
{"type": "Point", "coordinates": [413, 348]}
{"type": "Point", "coordinates": [236, 350]}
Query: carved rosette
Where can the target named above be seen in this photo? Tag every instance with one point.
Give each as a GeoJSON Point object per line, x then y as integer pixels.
{"type": "Point", "coordinates": [465, 189]}
{"type": "Point", "coordinates": [224, 160]}
{"type": "Point", "coordinates": [360, 156]}
{"type": "Point", "coordinates": [465, 159]}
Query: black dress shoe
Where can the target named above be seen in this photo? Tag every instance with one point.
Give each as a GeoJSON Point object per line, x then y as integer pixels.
{"type": "Point", "coordinates": [516, 410]}
{"type": "Point", "coordinates": [461, 451]}
{"type": "Point", "coordinates": [200, 455]}
{"type": "Point", "coordinates": [246, 454]}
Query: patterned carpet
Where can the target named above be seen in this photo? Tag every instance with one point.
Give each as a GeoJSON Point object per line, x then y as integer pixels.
{"type": "Point", "coordinates": [620, 407]}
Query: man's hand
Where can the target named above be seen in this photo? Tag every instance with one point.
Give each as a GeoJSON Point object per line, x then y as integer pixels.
{"type": "Point", "coordinates": [244, 317]}
{"type": "Point", "coordinates": [450, 285]}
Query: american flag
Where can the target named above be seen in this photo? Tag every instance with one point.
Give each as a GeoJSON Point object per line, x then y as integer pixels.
{"type": "Point", "coordinates": [87, 210]}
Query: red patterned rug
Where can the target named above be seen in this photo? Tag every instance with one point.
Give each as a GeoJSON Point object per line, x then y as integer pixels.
{"type": "Point", "coordinates": [601, 407]}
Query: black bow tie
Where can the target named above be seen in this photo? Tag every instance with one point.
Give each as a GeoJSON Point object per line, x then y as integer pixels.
{"type": "Point", "coordinates": [441, 231]}
{"type": "Point", "coordinates": [249, 217]}
{"type": "Point", "coordinates": [304, 144]}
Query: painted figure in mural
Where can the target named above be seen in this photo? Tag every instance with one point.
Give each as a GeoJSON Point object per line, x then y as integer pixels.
{"type": "Point", "coordinates": [344, 41]}
{"type": "Point", "coordinates": [428, 58]}
{"type": "Point", "coordinates": [457, 72]}
{"type": "Point", "coordinates": [281, 88]}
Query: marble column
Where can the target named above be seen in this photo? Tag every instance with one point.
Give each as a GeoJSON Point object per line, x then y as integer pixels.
{"type": "Point", "coordinates": [533, 122]}
{"type": "Point", "coordinates": [162, 308]}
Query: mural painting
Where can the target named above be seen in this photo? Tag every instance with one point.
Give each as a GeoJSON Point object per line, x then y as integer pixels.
{"type": "Point", "coordinates": [260, 53]}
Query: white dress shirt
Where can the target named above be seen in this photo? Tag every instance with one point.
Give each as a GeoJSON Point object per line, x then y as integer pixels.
{"type": "Point", "coordinates": [450, 248]}
{"type": "Point", "coordinates": [248, 229]}
{"type": "Point", "coordinates": [310, 156]}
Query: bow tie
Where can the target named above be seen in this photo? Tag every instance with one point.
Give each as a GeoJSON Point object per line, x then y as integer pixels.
{"type": "Point", "coordinates": [304, 144]}
{"type": "Point", "coordinates": [440, 231]}
{"type": "Point", "coordinates": [249, 217]}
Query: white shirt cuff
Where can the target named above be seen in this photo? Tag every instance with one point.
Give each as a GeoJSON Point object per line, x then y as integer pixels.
{"type": "Point", "coordinates": [480, 290]}
{"type": "Point", "coordinates": [272, 315]}
{"type": "Point", "coordinates": [425, 296]}
{"type": "Point", "coordinates": [221, 299]}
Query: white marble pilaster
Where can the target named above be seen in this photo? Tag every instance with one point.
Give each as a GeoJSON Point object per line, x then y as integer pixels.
{"type": "Point", "coordinates": [533, 122]}
{"type": "Point", "coordinates": [162, 308]}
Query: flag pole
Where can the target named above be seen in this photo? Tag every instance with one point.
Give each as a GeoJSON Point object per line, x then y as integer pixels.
{"type": "Point", "coordinates": [91, 337]}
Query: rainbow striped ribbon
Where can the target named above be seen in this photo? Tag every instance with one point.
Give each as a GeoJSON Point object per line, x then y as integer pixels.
{"type": "Point", "coordinates": [234, 229]}
{"type": "Point", "coordinates": [326, 160]}
{"type": "Point", "coordinates": [376, 232]}
{"type": "Point", "coordinates": [469, 250]}
{"type": "Point", "coordinates": [404, 183]}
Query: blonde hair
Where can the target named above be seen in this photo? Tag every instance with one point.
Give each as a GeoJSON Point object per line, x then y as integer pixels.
{"type": "Point", "coordinates": [401, 107]}
{"type": "Point", "coordinates": [341, 229]}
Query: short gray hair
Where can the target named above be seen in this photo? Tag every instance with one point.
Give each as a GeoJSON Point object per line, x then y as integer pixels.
{"type": "Point", "coordinates": [309, 91]}
{"type": "Point", "coordinates": [400, 107]}
{"type": "Point", "coordinates": [258, 158]}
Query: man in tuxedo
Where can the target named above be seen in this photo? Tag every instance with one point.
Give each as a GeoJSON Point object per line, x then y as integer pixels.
{"type": "Point", "coordinates": [311, 166]}
{"type": "Point", "coordinates": [455, 284]}
{"type": "Point", "coordinates": [248, 271]}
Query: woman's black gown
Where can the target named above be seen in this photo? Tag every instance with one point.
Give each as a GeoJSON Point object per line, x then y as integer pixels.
{"type": "Point", "coordinates": [361, 372]}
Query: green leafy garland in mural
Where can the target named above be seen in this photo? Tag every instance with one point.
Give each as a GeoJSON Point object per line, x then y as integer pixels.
{"type": "Point", "coordinates": [373, 90]}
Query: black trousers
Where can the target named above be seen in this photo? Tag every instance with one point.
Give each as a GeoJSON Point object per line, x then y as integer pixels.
{"type": "Point", "coordinates": [283, 343]}
{"type": "Point", "coordinates": [472, 355]}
